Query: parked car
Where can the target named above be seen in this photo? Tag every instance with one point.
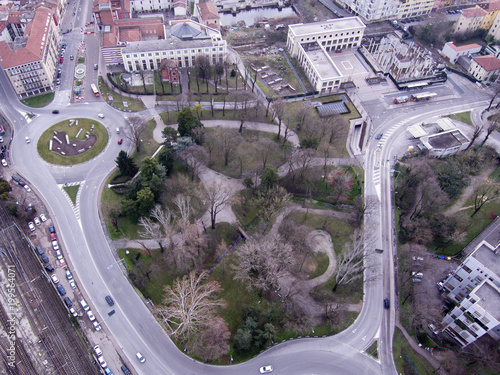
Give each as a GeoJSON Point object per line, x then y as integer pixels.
{"type": "Point", "coordinates": [53, 237]}
{"type": "Point", "coordinates": [69, 275]}
{"type": "Point", "coordinates": [59, 255]}
{"type": "Point", "coordinates": [49, 268]}
{"type": "Point", "coordinates": [39, 250]}
{"type": "Point", "coordinates": [125, 370]}
{"type": "Point", "coordinates": [417, 274]}
{"type": "Point", "coordinates": [52, 229]}
{"type": "Point", "coordinates": [68, 302]}
{"type": "Point", "coordinates": [120, 141]}
{"type": "Point", "coordinates": [37, 221]}
{"type": "Point", "coordinates": [97, 350]}
{"type": "Point", "coordinates": [31, 226]}
{"type": "Point", "coordinates": [109, 300]}
{"type": "Point", "coordinates": [61, 290]}
{"type": "Point", "coordinates": [97, 326]}
{"type": "Point", "coordinates": [55, 245]}
{"type": "Point", "coordinates": [45, 258]}
{"type": "Point", "coordinates": [28, 189]}
{"type": "Point", "coordinates": [107, 371]}
{"type": "Point", "coordinates": [4, 163]}
{"type": "Point", "coordinates": [62, 263]}
{"type": "Point", "coordinates": [72, 284]}
{"type": "Point", "coordinates": [73, 312]}
{"type": "Point", "coordinates": [43, 218]}
{"type": "Point", "coordinates": [102, 362]}
{"type": "Point", "coordinates": [54, 278]}
{"type": "Point", "coordinates": [91, 315]}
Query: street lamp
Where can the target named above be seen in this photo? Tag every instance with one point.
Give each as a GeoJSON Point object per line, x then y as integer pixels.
{"type": "Point", "coordinates": [118, 261]}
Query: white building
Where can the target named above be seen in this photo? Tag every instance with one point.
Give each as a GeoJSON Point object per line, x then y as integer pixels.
{"type": "Point", "coordinates": [446, 143]}
{"type": "Point", "coordinates": [151, 5]}
{"type": "Point", "coordinates": [184, 41]}
{"type": "Point", "coordinates": [475, 287]}
{"type": "Point", "coordinates": [373, 10]}
{"type": "Point", "coordinates": [453, 52]}
{"type": "Point", "coordinates": [414, 8]}
{"type": "Point", "coordinates": [311, 42]}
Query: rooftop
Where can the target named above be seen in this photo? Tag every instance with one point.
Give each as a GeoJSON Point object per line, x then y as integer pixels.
{"type": "Point", "coordinates": [208, 10]}
{"type": "Point", "coordinates": [323, 64]}
{"type": "Point", "coordinates": [447, 139]}
{"type": "Point", "coordinates": [489, 299]}
{"type": "Point", "coordinates": [476, 11]}
{"type": "Point", "coordinates": [338, 24]}
{"type": "Point", "coordinates": [488, 258]}
{"type": "Point", "coordinates": [464, 47]}
{"type": "Point", "coordinates": [166, 45]}
{"type": "Point", "coordinates": [488, 62]}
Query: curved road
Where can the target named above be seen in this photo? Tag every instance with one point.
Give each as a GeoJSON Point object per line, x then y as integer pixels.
{"type": "Point", "coordinates": [133, 326]}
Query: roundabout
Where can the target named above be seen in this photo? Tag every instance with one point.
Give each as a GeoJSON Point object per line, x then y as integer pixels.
{"type": "Point", "coordinates": [72, 141]}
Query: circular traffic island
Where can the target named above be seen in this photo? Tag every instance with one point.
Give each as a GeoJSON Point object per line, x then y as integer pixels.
{"type": "Point", "coordinates": [72, 141]}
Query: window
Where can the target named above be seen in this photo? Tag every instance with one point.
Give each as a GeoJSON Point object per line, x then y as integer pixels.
{"type": "Point", "coordinates": [467, 269]}
{"type": "Point", "coordinates": [458, 278]}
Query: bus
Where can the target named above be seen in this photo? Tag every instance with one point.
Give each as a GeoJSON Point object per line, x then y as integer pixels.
{"type": "Point", "coordinates": [94, 89]}
{"type": "Point", "coordinates": [416, 85]}
{"type": "Point", "coordinates": [422, 96]}
{"type": "Point", "coordinates": [401, 99]}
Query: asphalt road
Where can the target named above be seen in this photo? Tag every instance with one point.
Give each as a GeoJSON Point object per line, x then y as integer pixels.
{"type": "Point", "coordinates": [133, 326]}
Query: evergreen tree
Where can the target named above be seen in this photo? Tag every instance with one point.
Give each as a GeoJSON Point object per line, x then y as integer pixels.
{"type": "Point", "coordinates": [126, 164]}
{"type": "Point", "coordinates": [187, 122]}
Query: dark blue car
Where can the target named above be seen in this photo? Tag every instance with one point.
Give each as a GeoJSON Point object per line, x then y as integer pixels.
{"type": "Point", "coordinates": [61, 290]}
{"type": "Point", "coordinates": [39, 249]}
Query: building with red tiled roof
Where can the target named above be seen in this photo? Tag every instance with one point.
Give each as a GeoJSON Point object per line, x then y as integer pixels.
{"type": "Point", "coordinates": [470, 20]}
{"type": "Point", "coordinates": [30, 56]}
{"type": "Point", "coordinates": [485, 68]}
{"type": "Point", "coordinates": [453, 52]}
{"type": "Point", "coordinates": [207, 14]}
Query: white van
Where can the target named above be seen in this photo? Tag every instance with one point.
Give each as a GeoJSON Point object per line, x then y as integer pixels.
{"type": "Point", "coordinates": [84, 305]}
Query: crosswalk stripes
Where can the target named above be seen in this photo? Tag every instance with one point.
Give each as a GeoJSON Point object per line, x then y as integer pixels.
{"type": "Point", "coordinates": [76, 206]}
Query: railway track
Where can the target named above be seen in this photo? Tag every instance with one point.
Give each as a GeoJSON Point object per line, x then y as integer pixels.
{"type": "Point", "coordinates": [43, 308]}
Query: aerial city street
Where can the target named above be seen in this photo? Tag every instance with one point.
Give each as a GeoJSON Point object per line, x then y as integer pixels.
{"type": "Point", "coordinates": [257, 186]}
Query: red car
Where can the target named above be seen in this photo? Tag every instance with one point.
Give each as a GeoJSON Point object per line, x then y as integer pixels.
{"type": "Point", "coordinates": [53, 237]}
{"type": "Point", "coordinates": [120, 141]}
{"type": "Point", "coordinates": [61, 60]}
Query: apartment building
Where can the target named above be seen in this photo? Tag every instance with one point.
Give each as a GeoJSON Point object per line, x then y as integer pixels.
{"type": "Point", "coordinates": [29, 50]}
{"type": "Point", "coordinates": [485, 68]}
{"type": "Point", "coordinates": [185, 40]}
{"type": "Point", "coordinates": [373, 10]}
{"type": "Point", "coordinates": [207, 14]}
{"type": "Point", "coordinates": [453, 52]}
{"type": "Point", "coordinates": [311, 42]}
{"type": "Point", "coordinates": [475, 289]}
{"type": "Point", "coordinates": [151, 5]}
{"type": "Point", "coordinates": [470, 20]}
{"type": "Point", "coordinates": [414, 8]}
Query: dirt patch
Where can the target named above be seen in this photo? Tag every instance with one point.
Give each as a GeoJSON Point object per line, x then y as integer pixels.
{"type": "Point", "coordinates": [74, 147]}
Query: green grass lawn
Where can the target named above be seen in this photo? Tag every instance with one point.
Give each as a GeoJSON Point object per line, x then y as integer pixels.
{"type": "Point", "coordinates": [72, 192]}
{"type": "Point", "coordinates": [134, 104]}
{"type": "Point", "coordinates": [321, 262]}
{"type": "Point", "coordinates": [39, 100]}
{"type": "Point", "coordinates": [170, 118]}
{"type": "Point", "coordinates": [495, 175]}
{"type": "Point", "coordinates": [407, 360]}
{"type": "Point", "coordinates": [83, 123]}
{"type": "Point", "coordinates": [463, 117]}
{"type": "Point", "coordinates": [148, 144]}
{"type": "Point", "coordinates": [154, 288]}
{"type": "Point", "coordinates": [373, 349]}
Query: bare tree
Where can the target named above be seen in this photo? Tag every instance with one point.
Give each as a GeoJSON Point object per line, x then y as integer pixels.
{"type": "Point", "coordinates": [351, 261]}
{"type": "Point", "coordinates": [211, 342]}
{"type": "Point", "coordinates": [278, 112]}
{"type": "Point", "coordinates": [134, 135]}
{"type": "Point", "coordinates": [211, 143]}
{"type": "Point", "coordinates": [491, 128]}
{"type": "Point", "coordinates": [261, 263]}
{"type": "Point", "coordinates": [265, 148]}
{"type": "Point", "coordinates": [195, 156]}
{"type": "Point", "coordinates": [183, 204]}
{"type": "Point", "coordinates": [497, 92]}
{"type": "Point", "coordinates": [217, 196]}
{"type": "Point", "coordinates": [151, 231]}
{"type": "Point", "coordinates": [228, 140]}
{"type": "Point", "coordinates": [304, 114]}
{"type": "Point", "coordinates": [483, 195]}
{"type": "Point", "coordinates": [142, 73]}
{"type": "Point", "coordinates": [189, 304]}
{"type": "Point", "coordinates": [477, 131]}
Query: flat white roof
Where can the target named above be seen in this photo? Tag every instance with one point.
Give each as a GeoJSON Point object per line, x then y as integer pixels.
{"type": "Point", "coordinates": [445, 123]}
{"type": "Point", "coordinates": [338, 24]}
{"type": "Point", "coordinates": [323, 64]}
{"type": "Point", "coordinates": [417, 131]}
